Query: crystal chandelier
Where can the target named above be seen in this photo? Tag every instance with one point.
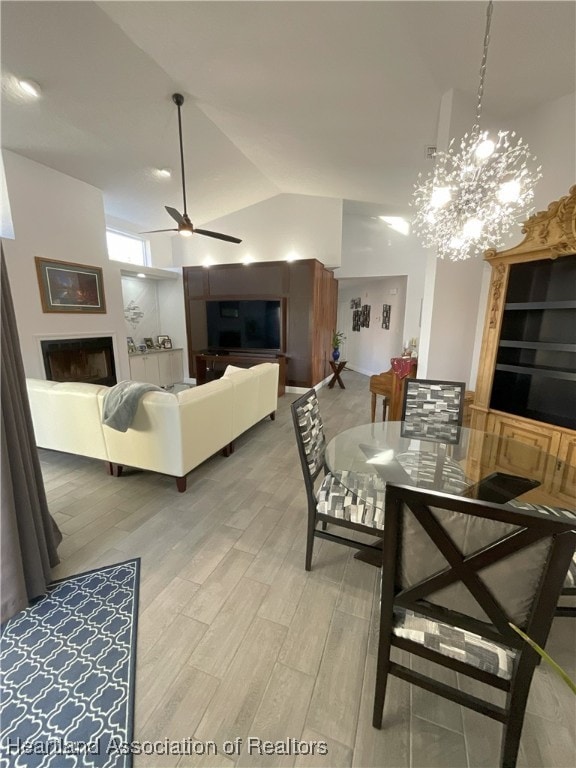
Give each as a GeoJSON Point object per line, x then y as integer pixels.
{"type": "Point", "coordinates": [478, 190]}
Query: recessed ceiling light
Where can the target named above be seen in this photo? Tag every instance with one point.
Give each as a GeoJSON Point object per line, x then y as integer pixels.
{"type": "Point", "coordinates": [30, 88]}
{"type": "Point", "coordinates": [163, 173]}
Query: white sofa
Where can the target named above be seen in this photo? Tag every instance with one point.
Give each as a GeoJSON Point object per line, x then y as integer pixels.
{"type": "Point", "coordinates": [170, 433]}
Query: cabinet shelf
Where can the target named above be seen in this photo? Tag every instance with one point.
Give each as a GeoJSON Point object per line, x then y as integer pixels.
{"type": "Point", "coordinates": [534, 370]}
{"type": "Point", "coordinates": [552, 346]}
{"type": "Point", "coordinates": [523, 305]}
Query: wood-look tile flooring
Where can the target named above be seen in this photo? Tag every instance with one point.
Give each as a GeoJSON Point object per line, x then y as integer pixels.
{"type": "Point", "coordinates": [235, 639]}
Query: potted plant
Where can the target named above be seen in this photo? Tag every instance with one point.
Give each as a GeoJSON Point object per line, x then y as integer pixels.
{"type": "Point", "coordinates": [337, 339]}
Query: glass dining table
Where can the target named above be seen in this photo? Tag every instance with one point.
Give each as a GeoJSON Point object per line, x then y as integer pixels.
{"type": "Point", "coordinates": [455, 460]}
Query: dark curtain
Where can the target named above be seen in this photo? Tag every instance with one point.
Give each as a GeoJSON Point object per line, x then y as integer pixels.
{"type": "Point", "coordinates": [29, 535]}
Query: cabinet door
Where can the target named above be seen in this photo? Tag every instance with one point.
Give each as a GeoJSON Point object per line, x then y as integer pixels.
{"type": "Point", "coordinates": [512, 457]}
{"type": "Point", "coordinates": [152, 369]}
{"type": "Point", "coordinates": [145, 368]}
{"type": "Point", "coordinates": [177, 366]}
{"type": "Point", "coordinates": [165, 369]}
{"type": "Point", "coordinates": [138, 369]}
{"type": "Point", "coordinates": [564, 483]}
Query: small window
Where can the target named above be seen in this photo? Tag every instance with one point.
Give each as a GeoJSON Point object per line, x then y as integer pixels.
{"type": "Point", "coordinates": [127, 248]}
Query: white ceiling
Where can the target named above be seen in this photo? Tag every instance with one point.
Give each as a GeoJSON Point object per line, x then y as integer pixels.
{"type": "Point", "coordinates": [337, 99]}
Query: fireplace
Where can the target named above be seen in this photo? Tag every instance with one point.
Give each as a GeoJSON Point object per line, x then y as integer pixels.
{"type": "Point", "coordinates": [88, 359]}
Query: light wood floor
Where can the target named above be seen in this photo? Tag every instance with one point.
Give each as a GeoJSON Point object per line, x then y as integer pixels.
{"type": "Point", "coordinates": [235, 639]}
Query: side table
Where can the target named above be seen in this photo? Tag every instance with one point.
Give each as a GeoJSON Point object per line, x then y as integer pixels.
{"type": "Point", "coordinates": [337, 368]}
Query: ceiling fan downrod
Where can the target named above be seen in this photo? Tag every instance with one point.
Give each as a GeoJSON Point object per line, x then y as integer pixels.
{"type": "Point", "coordinates": [178, 99]}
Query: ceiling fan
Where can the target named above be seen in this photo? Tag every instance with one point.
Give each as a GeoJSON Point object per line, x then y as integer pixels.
{"type": "Point", "coordinates": [185, 226]}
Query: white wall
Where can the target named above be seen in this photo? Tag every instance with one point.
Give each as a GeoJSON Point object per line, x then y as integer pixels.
{"type": "Point", "coordinates": [369, 350]}
{"type": "Point", "coordinates": [371, 249]}
{"type": "Point", "coordinates": [144, 295]}
{"type": "Point", "coordinates": [58, 217]}
{"type": "Point", "coordinates": [308, 227]}
{"type": "Point", "coordinates": [172, 316]}
{"type": "Point", "coordinates": [550, 132]}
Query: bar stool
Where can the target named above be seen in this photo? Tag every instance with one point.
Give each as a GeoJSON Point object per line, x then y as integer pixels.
{"type": "Point", "coordinates": [380, 384]}
{"type": "Point", "coordinates": [373, 406]}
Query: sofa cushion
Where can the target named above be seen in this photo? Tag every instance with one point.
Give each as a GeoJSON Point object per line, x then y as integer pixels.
{"type": "Point", "coordinates": [66, 416]}
{"type": "Point", "coordinates": [173, 433]}
{"type": "Point", "coordinates": [231, 369]}
{"type": "Point", "coordinates": [267, 374]}
{"type": "Point", "coordinates": [246, 390]}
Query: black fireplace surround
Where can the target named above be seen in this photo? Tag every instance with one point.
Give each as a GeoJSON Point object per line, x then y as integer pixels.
{"type": "Point", "coordinates": [88, 360]}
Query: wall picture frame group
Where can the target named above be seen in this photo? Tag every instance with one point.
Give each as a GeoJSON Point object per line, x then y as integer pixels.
{"type": "Point", "coordinates": [386, 310]}
{"type": "Point", "coordinates": [66, 286]}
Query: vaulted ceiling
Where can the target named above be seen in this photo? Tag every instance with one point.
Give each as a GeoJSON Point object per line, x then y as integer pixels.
{"type": "Point", "coordinates": [338, 99]}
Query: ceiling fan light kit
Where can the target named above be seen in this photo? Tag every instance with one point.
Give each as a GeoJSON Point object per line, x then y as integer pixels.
{"type": "Point", "coordinates": [185, 227]}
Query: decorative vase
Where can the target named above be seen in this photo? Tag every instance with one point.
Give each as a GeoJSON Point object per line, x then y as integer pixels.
{"type": "Point", "coordinates": [335, 354]}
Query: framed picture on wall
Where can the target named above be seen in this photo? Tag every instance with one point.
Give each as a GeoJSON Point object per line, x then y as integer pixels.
{"type": "Point", "coordinates": [386, 308]}
{"type": "Point", "coordinates": [365, 316]}
{"type": "Point", "coordinates": [149, 342]}
{"type": "Point", "coordinates": [69, 287]}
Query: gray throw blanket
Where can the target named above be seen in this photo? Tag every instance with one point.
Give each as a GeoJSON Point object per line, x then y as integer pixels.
{"type": "Point", "coordinates": [121, 402]}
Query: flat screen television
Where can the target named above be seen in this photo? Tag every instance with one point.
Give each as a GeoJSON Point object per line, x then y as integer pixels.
{"type": "Point", "coordinates": [248, 324]}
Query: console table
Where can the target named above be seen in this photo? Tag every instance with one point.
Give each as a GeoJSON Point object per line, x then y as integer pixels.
{"type": "Point", "coordinates": [242, 361]}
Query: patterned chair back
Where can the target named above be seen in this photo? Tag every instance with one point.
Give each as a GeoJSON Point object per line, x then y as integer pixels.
{"type": "Point", "coordinates": [456, 574]}
{"type": "Point", "coordinates": [309, 435]}
{"type": "Point", "coordinates": [441, 534]}
{"type": "Point", "coordinates": [433, 410]}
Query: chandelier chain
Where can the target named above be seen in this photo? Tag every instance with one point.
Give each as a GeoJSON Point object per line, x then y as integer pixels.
{"type": "Point", "coordinates": [483, 64]}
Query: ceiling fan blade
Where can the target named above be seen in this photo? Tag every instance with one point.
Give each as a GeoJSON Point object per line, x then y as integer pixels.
{"type": "Point", "coordinates": [175, 214]}
{"type": "Point", "coordinates": [217, 235]}
{"type": "Point", "coordinates": [152, 231]}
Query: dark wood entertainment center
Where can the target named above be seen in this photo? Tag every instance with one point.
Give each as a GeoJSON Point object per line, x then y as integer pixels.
{"type": "Point", "coordinates": [241, 360]}
{"type": "Point", "coordinates": [309, 294]}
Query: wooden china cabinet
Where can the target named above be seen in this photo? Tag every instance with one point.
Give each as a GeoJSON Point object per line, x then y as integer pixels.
{"type": "Point", "coordinates": [526, 386]}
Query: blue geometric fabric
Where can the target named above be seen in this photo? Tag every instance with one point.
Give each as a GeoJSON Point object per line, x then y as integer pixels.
{"type": "Point", "coordinates": [67, 666]}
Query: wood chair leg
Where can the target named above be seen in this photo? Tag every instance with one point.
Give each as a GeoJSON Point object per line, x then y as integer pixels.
{"type": "Point", "coordinates": [273, 416]}
{"type": "Point", "coordinates": [516, 705]}
{"type": "Point", "coordinates": [181, 484]}
{"type": "Point", "coordinates": [373, 408]}
{"type": "Point", "coordinates": [114, 469]}
{"type": "Point", "coordinates": [310, 540]}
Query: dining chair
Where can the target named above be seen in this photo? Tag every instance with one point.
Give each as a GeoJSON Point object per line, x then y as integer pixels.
{"type": "Point", "coordinates": [433, 409]}
{"type": "Point", "coordinates": [333, 498]}
{"type": "Point", "coordinates": [456, 573]}
{"type": "Point", "coordinates": [569, 586]}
